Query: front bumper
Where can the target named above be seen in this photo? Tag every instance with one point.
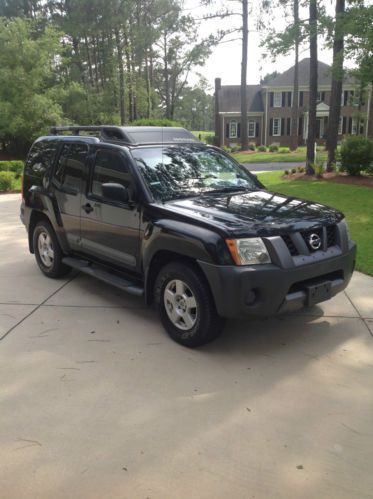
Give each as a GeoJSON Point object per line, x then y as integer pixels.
{"type": "Point", "coordinates": [264, 290]}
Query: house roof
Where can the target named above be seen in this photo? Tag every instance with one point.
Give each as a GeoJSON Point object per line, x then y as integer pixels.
{"type": "Point", "coordinates": [286, 79]}
{"type": "Point", "coordinates": [230, 98]}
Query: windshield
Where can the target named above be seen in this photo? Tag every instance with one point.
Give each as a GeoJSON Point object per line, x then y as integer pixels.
{"type": "Point", "coordinates": [172, 172]}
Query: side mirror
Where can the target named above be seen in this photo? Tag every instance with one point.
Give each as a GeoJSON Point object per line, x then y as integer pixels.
{"type": "Point", "coordinates": [115, 192]}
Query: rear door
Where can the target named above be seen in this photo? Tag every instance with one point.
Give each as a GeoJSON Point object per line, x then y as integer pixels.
{"type": "Point", "coordinates": [68, 184]}
{"type": "Point", "coordinates": [110, 229]}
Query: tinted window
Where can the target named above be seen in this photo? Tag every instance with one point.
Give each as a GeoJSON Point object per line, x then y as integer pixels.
{"type": "Point", "coordinates": [70, 166]}
{"type": "Point", "coordinates": [41, 157]}
{"type": "Point", "coordinates": [109, 167]}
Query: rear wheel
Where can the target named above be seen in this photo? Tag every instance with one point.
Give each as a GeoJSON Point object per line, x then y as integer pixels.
{"type": "Point", "coordinates": [48, 253]}
{"type": "Point", "coordinates": [185, 305]}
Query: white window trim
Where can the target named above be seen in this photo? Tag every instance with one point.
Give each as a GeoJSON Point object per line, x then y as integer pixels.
{"type": "Point", "coordinates": [278, 134]}
{"type": "Point", "coordinates": [277, 99]}
{"type": "Point", "coordinates": [233, 129]}
{"type": "Point", "coordinates": [252, 123]}
{"type": "Point", "coordinates": [354, 126]}
{"type": "Point", "coordinates": [340, 125]}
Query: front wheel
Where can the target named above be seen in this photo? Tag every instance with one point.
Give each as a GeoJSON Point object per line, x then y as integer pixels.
{"type": "Point", "coordinates": [185, 305]}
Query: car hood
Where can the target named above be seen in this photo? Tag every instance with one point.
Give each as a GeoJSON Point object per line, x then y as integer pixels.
{"type": "Point", "coordinates": [258, 212]}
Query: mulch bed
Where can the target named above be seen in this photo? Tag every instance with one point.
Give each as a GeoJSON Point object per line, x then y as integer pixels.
{"type": "Point", "coordinates": [338, 178]}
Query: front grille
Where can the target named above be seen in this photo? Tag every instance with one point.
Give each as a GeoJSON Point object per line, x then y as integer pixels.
{"type": "Point", "coordinates": [331, 235]}
{"type": "Point", "coordinates": [330, 240]}
{"type": "Point", "coordinates": [291, 246]}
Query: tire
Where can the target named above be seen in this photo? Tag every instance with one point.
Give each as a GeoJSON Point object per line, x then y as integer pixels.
{"type": "Point", "coordinates": [178, 288]}
{"type": "Point", "coordinates": [47, 250]}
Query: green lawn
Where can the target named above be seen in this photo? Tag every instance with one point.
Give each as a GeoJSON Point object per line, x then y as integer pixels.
{"type": "Point", "coordinates": [354, 201]}
{"type": "Point", "coordinates": [203, 134]}
{"type": "Point", "coordinates": [276, 157]}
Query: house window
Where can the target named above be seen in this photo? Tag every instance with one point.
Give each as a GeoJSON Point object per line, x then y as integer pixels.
{"type": "Point", "coordinates": [233, 129]}
{"type": "Point", "coordinates": [277, 99]}
{"type": "Point", "coordinates": [340, 125]}
{"type": "Point", "coordinates": [318, 98]}
{"type": "Point", "coordinates": [354, 126]}
{"type": "Point", "coordinates": [276, 131]}
{"type": "Point", "coordinates": [251, 128]}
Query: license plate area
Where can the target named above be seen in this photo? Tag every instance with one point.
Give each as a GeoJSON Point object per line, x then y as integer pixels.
{"type": "Point", "coordinates": [318, 292]}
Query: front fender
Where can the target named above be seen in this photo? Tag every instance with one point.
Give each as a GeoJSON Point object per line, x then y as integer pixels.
{"type": "Point", "coordinates": [184, 239]}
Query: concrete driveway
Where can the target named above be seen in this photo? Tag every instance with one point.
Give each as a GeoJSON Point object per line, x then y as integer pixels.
{"type": "Point", "coordinates": [97, 402]}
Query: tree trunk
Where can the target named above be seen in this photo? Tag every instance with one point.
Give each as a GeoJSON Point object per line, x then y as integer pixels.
{"type": "Point", "coordinates": [129, 78]}
{"type": "Point", "coordinates": [313, 89]}
{"type": "Point", "coordinates": [122, 104]}
{"type": "Point", "coordinates": [295, 106]}
{"type": "Point", "coordinates": [245, 33]}
{"type": "Point", "coordinates": [89, 61]}
{"type": "Point", "coordinates": [337, 80]}
{"type": "Point", "coordinates": [148, 88]}
{"type": "Point", "coordinates": [166, 77]}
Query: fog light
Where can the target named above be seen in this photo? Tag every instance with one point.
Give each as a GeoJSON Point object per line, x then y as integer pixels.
{"type": "Point", "coordinates": [251, 297]}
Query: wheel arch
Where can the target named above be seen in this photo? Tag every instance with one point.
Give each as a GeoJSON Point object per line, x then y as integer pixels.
{"type": "Point", "coordinates": [38, 216]}
{"type": "Point", "coordinates": [159, 260]}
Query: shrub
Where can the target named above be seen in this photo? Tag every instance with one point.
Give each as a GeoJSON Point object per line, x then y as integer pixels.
{"type": "Point", "coordinates": [262, 148]}
{"type": "Point", "coordinates": [273, 148]}
{"type": "Point", "coordinates": [252, 146]}
{"type": "Point", "coordinates": [356, 154]}
{"type": "Point", "coordinates": [286, 172]}
{"type": "Point", "coordinates": [155, 122]}
{"type": "Point", "coordinates": [6, 181]}
{"type": "Point", "coordinates": [284, 150]}
{"type": "Point", "coordinates": [226, 148]}
{"type": "Point", "coordinates": [12, 166]}
{"type": "Point", "coordinates": [235, 148]}
{"type": "Point", "coordinates": [300, 169]}
{"type": "Point", "coordinates": [319, 169]}
{"type": "Point", "coordinates": [209, 138]}
{"type": "Point", "coordinates": [293, 170]}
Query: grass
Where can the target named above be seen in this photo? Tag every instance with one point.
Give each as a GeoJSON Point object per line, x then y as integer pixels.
{"type": "Point", "coordinates": [276, 157]}
{"type": "Point", "coordinates": [203, 134]}
{"type": "Point", "coordinates": [356, 202]}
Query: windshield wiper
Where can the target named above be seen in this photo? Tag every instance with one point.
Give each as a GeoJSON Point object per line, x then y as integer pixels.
{"type": "Point", "coordinates": [232, 188]}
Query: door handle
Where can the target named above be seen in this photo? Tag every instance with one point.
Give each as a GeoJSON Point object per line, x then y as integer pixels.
{"type": "Point", "coordinates": [87, 208]}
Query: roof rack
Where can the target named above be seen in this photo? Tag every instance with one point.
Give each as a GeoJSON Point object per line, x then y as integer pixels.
{"type": "Point", "coordinates": [105, 131]}
{"type": "Point", "coordinates": [132, 135]}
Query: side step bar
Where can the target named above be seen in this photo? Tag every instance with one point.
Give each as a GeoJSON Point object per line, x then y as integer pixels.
{"type": "Point", "coordinates": [104, 275]}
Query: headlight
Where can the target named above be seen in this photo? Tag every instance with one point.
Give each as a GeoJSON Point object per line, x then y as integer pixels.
{"type": "Point", "coordinates": [250, 251]}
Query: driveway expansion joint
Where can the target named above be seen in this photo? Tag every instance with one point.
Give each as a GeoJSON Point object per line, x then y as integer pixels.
{"type": "Point", "coordinates": [363, 319]}
{"type": "Point", "coordinates": [36, 308]}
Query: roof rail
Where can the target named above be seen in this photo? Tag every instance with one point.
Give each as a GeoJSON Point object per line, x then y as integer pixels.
{"type": "Point", "coordinates": [105, 131]}
{"type": "Point", "coordinates": [132, 135]}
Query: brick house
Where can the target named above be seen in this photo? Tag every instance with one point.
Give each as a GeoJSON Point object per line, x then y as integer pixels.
{"type": "Point", "coordinates": [269, 109]}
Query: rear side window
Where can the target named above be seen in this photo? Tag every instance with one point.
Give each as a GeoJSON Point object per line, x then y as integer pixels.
{"type": "Point", "coordinates": [70, 167]}
{"type": "Point", "coordinates": [41, 157]}
{"type": "Point", "coordinates": [109, 167]}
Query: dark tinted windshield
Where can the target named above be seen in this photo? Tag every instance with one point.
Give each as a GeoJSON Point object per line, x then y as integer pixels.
{"type": "Point", "coordinates": [179, 171]}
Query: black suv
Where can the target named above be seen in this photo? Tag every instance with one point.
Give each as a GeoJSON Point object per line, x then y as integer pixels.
{"type": "Point", "coordinates": [158, 214]}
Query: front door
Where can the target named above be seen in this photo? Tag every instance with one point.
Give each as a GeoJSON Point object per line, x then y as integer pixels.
{"type": "Point", "coordinates": [109, 229]}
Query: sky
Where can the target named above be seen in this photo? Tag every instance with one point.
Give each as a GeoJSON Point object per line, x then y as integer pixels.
{"type": "Point", "coordinates": [225, 61]}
